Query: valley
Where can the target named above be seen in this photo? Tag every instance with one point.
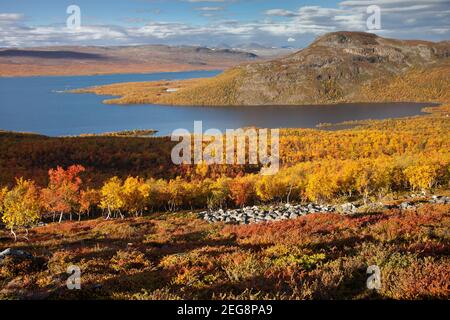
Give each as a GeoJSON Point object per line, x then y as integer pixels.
{"type": "Point", "coordinates": [87, 189]}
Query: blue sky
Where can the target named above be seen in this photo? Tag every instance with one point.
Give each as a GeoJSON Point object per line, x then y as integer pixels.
{"type": "Point", "coordinates": [116, 11]}
{"type": "Point", "coordinates": [269, 22]}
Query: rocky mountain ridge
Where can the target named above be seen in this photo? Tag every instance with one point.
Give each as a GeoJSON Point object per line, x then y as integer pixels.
{"type": "Point", "coordinates": [334, 68]}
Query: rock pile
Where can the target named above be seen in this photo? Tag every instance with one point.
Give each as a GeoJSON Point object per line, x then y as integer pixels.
{"type": "Point", "coordinates": [259, 214]}
{"type": "Point", "coordinates": [440, 200]}
{"type": "Point", "coordinates": [408, 205]}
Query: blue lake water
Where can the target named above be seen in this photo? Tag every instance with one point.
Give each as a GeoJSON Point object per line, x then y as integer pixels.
{"type": "Point", "coordinates": [37, 104]}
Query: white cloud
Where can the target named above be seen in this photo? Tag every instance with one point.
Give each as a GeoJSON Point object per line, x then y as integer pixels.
{"type": "Point", "coordinates": [280, 13]}
{"type": "Point", "coordinates": [210, 8]}
{"type": "Point", "coordinates": [429, 17]}
{"type": "Point", "coordinates": [10, 18]}
{"type": "Point", "coordinates": [423, 19]}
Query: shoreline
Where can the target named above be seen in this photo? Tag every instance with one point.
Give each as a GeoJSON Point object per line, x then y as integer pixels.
{"type": "Point", "coordinates": [117, 98]}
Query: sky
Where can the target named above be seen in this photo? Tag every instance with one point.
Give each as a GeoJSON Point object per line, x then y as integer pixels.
{"type": "Point", "coordinates": [273, 23]}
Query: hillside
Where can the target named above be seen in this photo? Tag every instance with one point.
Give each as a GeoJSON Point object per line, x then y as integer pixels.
{"type": "Point", "coordinates": [337, 67]}
{"type": "Point", "coordinates": [108, 60]}
{"type": "Point", "coordinates": [178, 256]}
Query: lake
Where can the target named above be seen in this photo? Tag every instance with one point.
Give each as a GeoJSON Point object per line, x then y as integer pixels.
{"type": "Point", "coordinates": [38, 104]}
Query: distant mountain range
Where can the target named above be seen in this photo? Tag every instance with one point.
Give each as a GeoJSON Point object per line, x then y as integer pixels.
{"type": "Point", "coordinates": [72, 60]}
{"type": "Point", "coordinates": [261, 50]}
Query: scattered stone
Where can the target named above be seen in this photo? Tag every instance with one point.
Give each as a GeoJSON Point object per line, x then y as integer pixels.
{"type": "Point", "coordinates": [348, 208]}
{"type": "Point", "coordinates": [440, 200]}
{"type": "Point", "coordinates": [14, 253]}
{"type": "Point", "coordinates": [18, 262]}
{"type": "Point", "coordinates": [406, 205]}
